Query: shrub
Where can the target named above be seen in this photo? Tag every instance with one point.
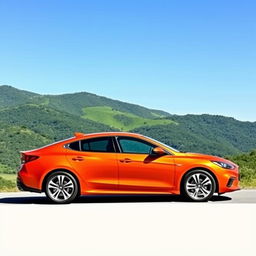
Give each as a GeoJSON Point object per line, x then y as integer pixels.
{"type": "Point", "coordinates": [7, 185]}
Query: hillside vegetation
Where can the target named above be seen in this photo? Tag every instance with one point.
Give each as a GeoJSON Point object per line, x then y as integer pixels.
{"type": "Point", "coordinates": [121, 120]}
{"type": "Point", "coordinates": [209, 134]}
{"type": "Point", "coordinates": [31, 126]}
{"type": "Point", "coordinates": [72, 103]}
{"type": "Point", "coordinates": [10, 96]}
{"type": "Point", "coordinates": [29, 120]}
{"type": "Point", "coordinates": [247, 163]}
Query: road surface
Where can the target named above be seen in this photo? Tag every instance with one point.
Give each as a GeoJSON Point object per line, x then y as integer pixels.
{"type": "Point", "coordinates": [242, 196]}
{"type": "Point", "coordinates": [128, 225]}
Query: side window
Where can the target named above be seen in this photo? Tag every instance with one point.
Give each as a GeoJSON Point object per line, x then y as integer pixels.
{"type": "Point", "coordinates": [104, 144]}
{"type": "Point", "coordinates": [135, 146]}
{"type": "Point", "coordinates": [75, 146]}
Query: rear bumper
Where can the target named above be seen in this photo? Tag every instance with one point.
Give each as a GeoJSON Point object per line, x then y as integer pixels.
{"type": "Point", "coordinates": [22, 187]}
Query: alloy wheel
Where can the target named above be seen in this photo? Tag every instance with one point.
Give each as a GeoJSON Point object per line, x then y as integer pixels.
{"type": "Point", "coordinates": [199, 186]}
{"type": "Point", "coordinates": [61, 187]}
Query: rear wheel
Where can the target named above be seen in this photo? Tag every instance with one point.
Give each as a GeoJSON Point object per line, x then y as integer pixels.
{"type": "Point", "coordinates": [61, 187]}
{"type": "Point", "coordinates": [198, 185]}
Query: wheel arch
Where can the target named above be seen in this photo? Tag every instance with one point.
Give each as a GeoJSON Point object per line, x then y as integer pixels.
{"type": "Point", "coordinates": [63, 170]}
{"type": "Point", "coordinates": [204, 169]}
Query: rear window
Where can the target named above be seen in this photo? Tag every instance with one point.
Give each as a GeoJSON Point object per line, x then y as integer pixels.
{"type": "Point", "coordinates": [104, 144]}
{"type": "Point", "coordinates": [75, 145]}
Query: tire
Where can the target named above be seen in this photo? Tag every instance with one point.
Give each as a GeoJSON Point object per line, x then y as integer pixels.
{"type": "Point", "coordinates": [61, 187]}
{"type": "Point", "coordinates": [198, 186]}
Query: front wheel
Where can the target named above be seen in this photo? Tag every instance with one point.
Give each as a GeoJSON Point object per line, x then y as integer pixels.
{"type": "Point", "coordinates": [61, 187]}
{"type": "Point", "coordinates": [198, 185]}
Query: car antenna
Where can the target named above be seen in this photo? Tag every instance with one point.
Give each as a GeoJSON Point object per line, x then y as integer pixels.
{"type": "Point", "coordinates": [79, 134]}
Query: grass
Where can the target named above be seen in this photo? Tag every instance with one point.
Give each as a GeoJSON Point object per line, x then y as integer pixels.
{"type": "Point", "coordinates": [248, 184]}
{"type": "Point", "coordinates": [8, 183]}
{"type": "Point", "coordinates": [248, 177]}
{"type": "Point", "coordinates": [120, 120]}
{"type": "Point", "coordinates": [12, 177]}
{"type": "Point", "coordinates": [157, 115]}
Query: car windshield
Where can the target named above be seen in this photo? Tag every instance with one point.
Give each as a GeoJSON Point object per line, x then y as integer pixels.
{"type": "Point", "coordinates": [165, 145]}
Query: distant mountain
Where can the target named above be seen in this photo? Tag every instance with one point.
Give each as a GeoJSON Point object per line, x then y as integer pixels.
{"type": "Point", "coordinates": [29, 120]}
{"type": "Point", "coordinates": [210, 134]}
{"type": "Point", "coordinates": [72, 103]}
{"type": "Point", "coordinates": [10, 96]}
{"type": "Point", "coordinates": [31, 126]}
{"type": "Point", "coordinates": [48, 122]}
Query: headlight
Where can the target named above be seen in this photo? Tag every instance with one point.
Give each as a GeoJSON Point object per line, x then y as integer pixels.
{"type": "Point", "coordinates": [224, 165]}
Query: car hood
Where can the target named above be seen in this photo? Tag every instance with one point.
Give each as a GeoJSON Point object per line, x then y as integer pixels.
{"type": "Point", "coordinates": [205, 156]}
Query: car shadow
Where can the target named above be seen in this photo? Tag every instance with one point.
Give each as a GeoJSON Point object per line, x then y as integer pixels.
{"type": "Point", "coordinates": [107, 199]}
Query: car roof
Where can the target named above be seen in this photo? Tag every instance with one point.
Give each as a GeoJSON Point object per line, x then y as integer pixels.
{"type": "Point", "coordinates": [100, 134]}
{"type": "Point", "coordinates": [78, 136]}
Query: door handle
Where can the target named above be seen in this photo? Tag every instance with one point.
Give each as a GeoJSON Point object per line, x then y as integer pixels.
{"type": "Point", "coordinates": [78, 158]}
{"type": "Point", "coordinates": [126, 160]}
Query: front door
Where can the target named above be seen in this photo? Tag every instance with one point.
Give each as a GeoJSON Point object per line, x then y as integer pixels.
{"type": "Point", "coordinates": [140, 171]}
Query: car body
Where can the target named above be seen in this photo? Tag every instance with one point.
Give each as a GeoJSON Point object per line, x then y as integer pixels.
{"type": "Point", "coordinates": [123, 163]}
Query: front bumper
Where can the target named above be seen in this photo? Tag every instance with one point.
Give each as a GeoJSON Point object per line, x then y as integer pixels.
{"type": "Point", "coordinates": [229, 182]}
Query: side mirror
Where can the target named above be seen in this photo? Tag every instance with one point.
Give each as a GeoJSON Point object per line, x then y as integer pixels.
{"type": "Point", "coordinates": [158, 151]}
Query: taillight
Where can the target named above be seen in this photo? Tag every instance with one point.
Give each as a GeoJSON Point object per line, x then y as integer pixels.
{"type": "Point", "coordinates": [28, 158]}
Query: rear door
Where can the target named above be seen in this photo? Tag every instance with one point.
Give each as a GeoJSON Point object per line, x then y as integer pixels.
{"type": "Point", "coordinates": [95, 160]}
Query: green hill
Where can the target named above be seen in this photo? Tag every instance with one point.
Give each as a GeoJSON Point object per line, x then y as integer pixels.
{"type": "Point", "coordinates": [10, 96]}
{"type": "Point", "coordinates": [15, 139]}
{"type": "Point", "coordinates": [29, 120]}
{"type": "Point", "coordinates": [76, 102]}
{"type": "Point", "coordinates": [49, 122]}
{"type": "Point", "coordinates": [73, 103]}
{"type": "Point", "coordinates": [209, 134]}
{"type": "Point", "coordinates": [30, 126]}
{"type": "Point", "coordinates": [123, 121]}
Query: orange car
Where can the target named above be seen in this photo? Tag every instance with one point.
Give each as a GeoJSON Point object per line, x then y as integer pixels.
{"type": "Point", "coordinates": [122, 163]}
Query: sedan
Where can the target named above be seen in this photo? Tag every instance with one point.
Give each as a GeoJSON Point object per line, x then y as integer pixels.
{"type": "Point", "coordinates": [122, 163]}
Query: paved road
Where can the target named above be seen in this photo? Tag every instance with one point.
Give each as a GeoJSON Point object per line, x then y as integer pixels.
{"type": "Point", "coordinates": [128, 226]}
{"type": "Point", "coordinates": [242, 196]}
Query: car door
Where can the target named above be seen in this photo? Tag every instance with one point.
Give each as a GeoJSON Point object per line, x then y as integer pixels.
{"type": "Point", "coordinates": [139, 170]}
{"type": "Point", "coordinates": [96, 162]}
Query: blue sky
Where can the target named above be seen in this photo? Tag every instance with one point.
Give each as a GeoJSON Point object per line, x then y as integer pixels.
{"type": "Point", "coordinates": [178, 56]}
